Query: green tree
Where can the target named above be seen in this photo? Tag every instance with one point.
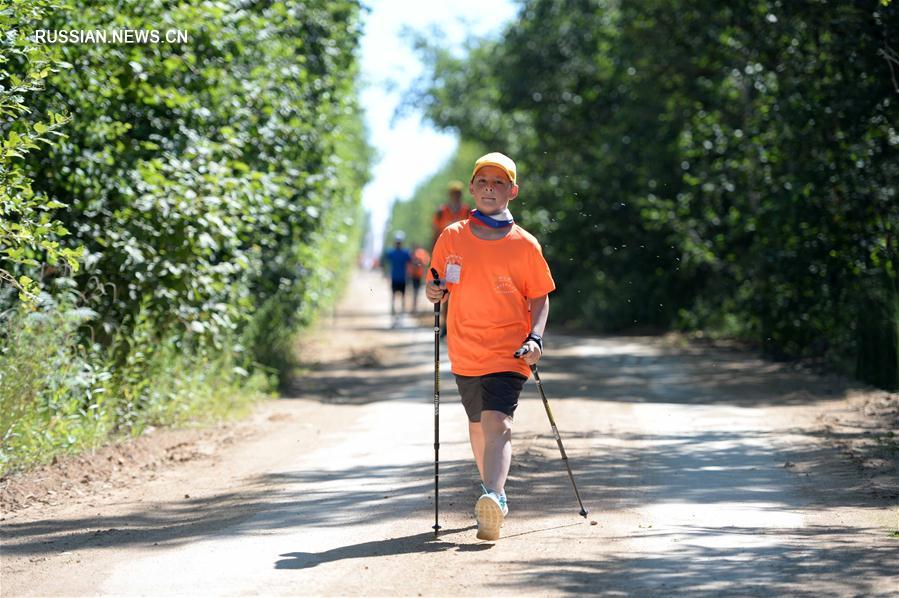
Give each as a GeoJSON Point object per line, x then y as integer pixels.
{"type": "Point", "coordinates": [29, 233]}
{"type": "Point", "coordinates": [730, 167]}
{"type": "Point", "coordinates": [415, 214]}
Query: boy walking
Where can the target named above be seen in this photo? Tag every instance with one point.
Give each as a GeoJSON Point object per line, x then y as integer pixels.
{"type": "Point", "coordinates": [499, 282]}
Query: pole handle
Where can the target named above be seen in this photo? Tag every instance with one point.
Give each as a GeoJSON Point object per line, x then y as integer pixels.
{"type": "Point", "coordinates": [436, 275]}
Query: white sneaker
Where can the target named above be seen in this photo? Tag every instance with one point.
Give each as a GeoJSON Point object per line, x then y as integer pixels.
{"type": "Point", "coordinates": [490, 513]}
{"type": "Point", "coordinates": [502, 501]}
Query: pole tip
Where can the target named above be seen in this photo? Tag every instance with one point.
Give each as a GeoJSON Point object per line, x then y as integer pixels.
{"type": "Point", "coordinates": [436, 528]}
{"type": "Point", "coordinates": [584, 513]}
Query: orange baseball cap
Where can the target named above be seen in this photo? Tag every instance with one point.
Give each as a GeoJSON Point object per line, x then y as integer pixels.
{"type": "Point", "coordinates": [499, 160]}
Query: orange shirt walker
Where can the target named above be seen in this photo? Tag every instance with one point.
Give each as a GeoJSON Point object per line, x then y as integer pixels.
{"type": "Point", "coordinates": [499, 283]}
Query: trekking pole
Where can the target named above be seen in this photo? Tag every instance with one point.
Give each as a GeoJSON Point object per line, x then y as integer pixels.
{"type": "Point", "coordinates": [552, 422]}
{"type": "Point", "coordinates": [436, 406]}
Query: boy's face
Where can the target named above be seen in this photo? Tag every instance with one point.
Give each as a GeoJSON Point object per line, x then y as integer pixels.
{"type": "Point", "coordinates": [492, 190]}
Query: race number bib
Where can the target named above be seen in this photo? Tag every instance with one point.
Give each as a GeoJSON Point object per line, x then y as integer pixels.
{"type": "Point", "coordinates": [453, 273]}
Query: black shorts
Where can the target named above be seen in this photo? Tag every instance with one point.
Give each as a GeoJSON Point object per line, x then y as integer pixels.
{"type": "Point", "coordinates": [416, 284]}
{"type": "Point", "coordinates": [490, 392]}
{"type": "Point", "coordinates": [399, 286]}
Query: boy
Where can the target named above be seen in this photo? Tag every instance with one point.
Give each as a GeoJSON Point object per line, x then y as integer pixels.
{"type": "Point", "coordinates": [499, 283]}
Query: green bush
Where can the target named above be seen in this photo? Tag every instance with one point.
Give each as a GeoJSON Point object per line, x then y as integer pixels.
{"type": "Point", "coordinates": [28, 231]}
{"type": "Point", "coordinates": [50, 393]}
{"type": "Point", "coordinates": [211, 192]}
{"type": "Point", "coordinates": [199, 176]}
{"type": "Point", "coordinates": [58, 395]}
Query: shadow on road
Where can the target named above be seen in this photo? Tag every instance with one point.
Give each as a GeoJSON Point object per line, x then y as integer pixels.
{"type": "Point", "coordinates": [397, 363]}
{"type": "Point", "coordinates": [711, 468]}
{"type": "Point", "coordinates": [770, 562]}
{"type": "Point", "coordinates": [614, 472]}
{"type": "Point", "coordinates": [419, 543]}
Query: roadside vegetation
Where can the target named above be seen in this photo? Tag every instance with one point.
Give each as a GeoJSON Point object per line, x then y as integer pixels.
{"type": "Point", "coordinates": [171, 214]}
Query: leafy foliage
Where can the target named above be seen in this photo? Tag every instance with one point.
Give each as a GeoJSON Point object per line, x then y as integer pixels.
{"type": "Point", "coordinates": [414, 216]}
{"type": "Point", "coordinates": [27, 228]}
{"type": "Point", "coordinates": [211, 187]}
{"type": "Point", "coordinates": [198, 174]}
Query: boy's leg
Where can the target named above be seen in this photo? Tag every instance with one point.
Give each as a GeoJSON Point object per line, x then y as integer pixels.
{"type": "Point", "coordinates": [496, 428]}
{"type": "Point", "coordinates": [491, 508]}
{"type": "Point", "coordinates": [490, 402]}
{"type": "Point", "coordinates": [476, 437]}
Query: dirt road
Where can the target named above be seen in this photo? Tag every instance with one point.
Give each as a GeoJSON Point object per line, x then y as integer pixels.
{"type": "Point", "coordinates": [707, 471]}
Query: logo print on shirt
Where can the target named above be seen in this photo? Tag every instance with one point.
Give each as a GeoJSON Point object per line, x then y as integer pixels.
{"type": "Point", "coordinates": [504, 285]}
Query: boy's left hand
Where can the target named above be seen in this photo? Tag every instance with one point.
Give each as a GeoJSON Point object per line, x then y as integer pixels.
{"type": "Point", "coordinates": [530, 351]}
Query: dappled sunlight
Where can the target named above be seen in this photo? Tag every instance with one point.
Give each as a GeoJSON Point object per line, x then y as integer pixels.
{"type": "Point", "coordinates": [750, 560]}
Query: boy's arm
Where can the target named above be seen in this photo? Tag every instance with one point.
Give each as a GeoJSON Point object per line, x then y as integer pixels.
{"type": "Point", "coordinates": [435, 292]}
{"type": "Point", "coordinates": [532, 348]}
{"type": "Point", "coordinates": [539, 314]}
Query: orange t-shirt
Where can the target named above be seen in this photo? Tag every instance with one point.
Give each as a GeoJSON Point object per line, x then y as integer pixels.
{"type": "Point", "coordinates": [446, 216]}
{"type": "Point", "coordinates": [490, 283]}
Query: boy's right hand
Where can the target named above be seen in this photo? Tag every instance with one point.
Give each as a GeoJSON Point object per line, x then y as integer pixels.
{"type": "Point", "coordinates": [436, 289]}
